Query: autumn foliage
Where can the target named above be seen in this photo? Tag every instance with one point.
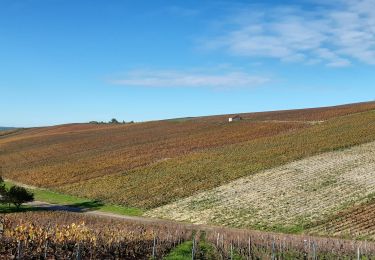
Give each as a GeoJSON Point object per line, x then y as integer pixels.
{"type": "Point", "coordinates": [151, 164]}
{"type": "Point", "coordinates": [59, 235]}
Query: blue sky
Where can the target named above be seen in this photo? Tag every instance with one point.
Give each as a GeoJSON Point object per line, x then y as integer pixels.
{"type": "Point", "coordinates": [67, 61]}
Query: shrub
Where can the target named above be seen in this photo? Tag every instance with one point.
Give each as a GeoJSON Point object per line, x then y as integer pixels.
{"type": "Point", "coordinates": [19, 195]}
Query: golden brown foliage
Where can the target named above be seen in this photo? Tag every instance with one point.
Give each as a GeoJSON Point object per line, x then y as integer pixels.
{"type": "Point", "coordinates": [154, 163]}
{"type": "Point", "coordinates": [171, 180]}
{"type": "Point", "coordinates": [59, 235]}
{"type": "Point", "coordinates": [311, 114]}
{"type": "Point", "coordinates": [67, 154]}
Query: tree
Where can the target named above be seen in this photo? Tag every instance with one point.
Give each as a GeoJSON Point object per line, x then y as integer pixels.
{"type": "Point", "coordinates": [114, 121]}
{"type": "Point", "coordinates": [3, 192]}
{"type": "Point", "coordinates": [19, 195]}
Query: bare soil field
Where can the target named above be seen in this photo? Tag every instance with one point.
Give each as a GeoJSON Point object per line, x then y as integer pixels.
{"type": "Point", "coordinates": [297, 193]}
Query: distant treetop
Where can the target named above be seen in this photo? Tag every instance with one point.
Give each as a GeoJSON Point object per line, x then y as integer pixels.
{"type": "Point", "coordinates": [112, 121]}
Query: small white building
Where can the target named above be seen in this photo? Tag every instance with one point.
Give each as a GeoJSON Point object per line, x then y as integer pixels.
{"type": "Point", "coordinates": [235, 118]}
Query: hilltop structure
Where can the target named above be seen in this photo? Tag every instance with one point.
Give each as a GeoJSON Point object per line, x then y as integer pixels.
{"type": "Point", "coordinates": [235, 118]}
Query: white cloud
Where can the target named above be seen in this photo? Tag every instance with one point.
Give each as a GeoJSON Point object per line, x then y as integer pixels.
{"type": "Point", "coordinates": [335, 35]}
{"type": "Point", "coordinates": [147, 78]}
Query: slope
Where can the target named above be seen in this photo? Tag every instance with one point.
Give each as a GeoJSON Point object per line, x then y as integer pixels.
{"type": "Point", "coordinates": [154, 163]}
{"type": "Point", "coordinates": [174, 179]}
{"type": "Point", "coordinates": [288, 198]}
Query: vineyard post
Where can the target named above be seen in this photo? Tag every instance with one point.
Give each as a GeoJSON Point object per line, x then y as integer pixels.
{"type": "Point", "coordinates": [193, 249]}
{"type": "Point", "coordinates": [217, 240]}
{"type": "Point", "coordinates": [309, 251]}
{"type": "Point", "coordinates": [78, 253]}
{"type": "Point", "coordinates": [281, 249]}
{"type": "Point", "coordinates": [46, 249]}
{"type": "Point", "coordinates": [46, 244]}
{"type": "Point", "coordinates": [154, 248]}
{"type": "Point", "coordinates": [273, 250]}
{"type": "Point", "coordinates": [231, 250]}
{"type": "Point", "coordinates": [314, 251]}
{"type": "Point", "coordinates": [19, 250]}
{"type": "Point", "coordinates": [305, 249]}
{"type": "Point", "coordinates": [250, 248]}
{"type": "Point", "coordinates": [358, 254]}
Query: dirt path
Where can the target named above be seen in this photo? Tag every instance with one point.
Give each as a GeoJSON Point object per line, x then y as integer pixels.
{"type": "Point", "coordinates": [58, 207]}
{"type": "Point", "coordinates": [96, 213]}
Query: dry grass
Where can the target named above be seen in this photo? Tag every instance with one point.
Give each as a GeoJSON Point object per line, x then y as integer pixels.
{"type": "Point", "coordinates": [284, 197]}
{"type": "Point", "coordinates": [6, 133]}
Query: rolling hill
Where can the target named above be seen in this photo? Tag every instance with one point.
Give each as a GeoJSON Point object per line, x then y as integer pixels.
{"type": "Point", "coordinates": [286, 198]}
{"type": "Point", "coordinates": [179, 168]}
{"type": "Point", "coordinates": [3, 128]}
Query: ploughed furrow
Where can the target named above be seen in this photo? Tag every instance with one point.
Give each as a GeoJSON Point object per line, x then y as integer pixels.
{"type": "Point", "coordinates": [356, 222]}
{"type": "Point", "coordinates": [294, 195]}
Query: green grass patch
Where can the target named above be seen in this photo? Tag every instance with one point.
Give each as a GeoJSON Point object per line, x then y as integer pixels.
{"type": "Point", "coordinates": [52, 197]}
{"type": "Point", "coordinates": [181, 252]}
{"type": "Point", "coordinates": [128, 211]}
{"type": "Point", "coordinates": [5, 208]}
{"type": "Point", "coordinates": [203, 250]}
{"type": "Point", "coordinates": [207, 251]}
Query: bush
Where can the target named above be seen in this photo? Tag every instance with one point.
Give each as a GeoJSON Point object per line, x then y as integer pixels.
{"type": "Point", "coordinates": [19, 195]}
{"type": "Point", "coordinates": [3, 192]}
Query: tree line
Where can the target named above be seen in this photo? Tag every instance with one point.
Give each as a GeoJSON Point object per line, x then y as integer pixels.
{"type": "Point", "coordinates": [112, 121]}
{"type": "Point", "coordinates": [14, 195]}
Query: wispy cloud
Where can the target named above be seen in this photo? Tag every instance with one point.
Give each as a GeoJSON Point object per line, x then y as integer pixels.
{"type": "Point", "coordinates": [336, 35]}
{"type": "Point", "coordinates": [149, 78]}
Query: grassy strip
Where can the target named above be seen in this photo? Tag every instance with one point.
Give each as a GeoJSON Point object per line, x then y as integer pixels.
{"type": "Point", "coordinates": [181, 252]}
{"type": "Point", "coordinates": [73, 201]}
{"type": "Point", "coordinates": [204, 250]}
{"type": "Point", "coordinates": [11, 208]}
